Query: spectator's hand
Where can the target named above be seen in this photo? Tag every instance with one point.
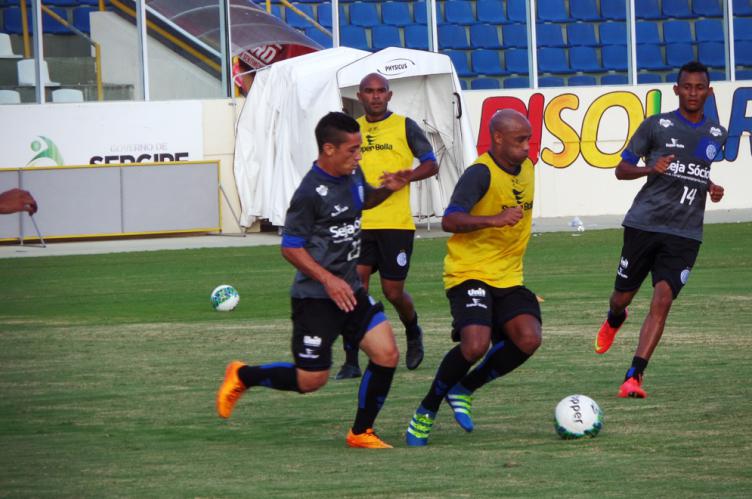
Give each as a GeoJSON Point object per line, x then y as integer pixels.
{"type": "Point", "coordinates": [16, 200]}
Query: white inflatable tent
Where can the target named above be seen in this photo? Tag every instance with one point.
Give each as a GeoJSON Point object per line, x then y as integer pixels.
{"type": "Point", "coordinates": [275, 144]}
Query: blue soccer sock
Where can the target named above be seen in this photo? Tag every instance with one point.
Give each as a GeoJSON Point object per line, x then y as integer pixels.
{"type": "Point", "coordinates": [451, 370]}
{"type": "Point", "coordinates": [279, 376]}
{"type": "Point", "coordinates": [638, 367]}
{"type": "Point", "coordinates": [372, 393]}
{"type": "Point", "coordinates": [501, 359]}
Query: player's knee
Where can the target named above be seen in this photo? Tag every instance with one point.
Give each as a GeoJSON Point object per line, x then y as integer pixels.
{"type": "Point", "coordinates": [530, 341]}
{"type": "Point", "coordinates": [474, 349]}
{"type": "Point", "coordinates": [387, 357]}
{"type": "Point", "coordinates": [394, 294]}
{"type": "Point", "coordinates": [312, 381]}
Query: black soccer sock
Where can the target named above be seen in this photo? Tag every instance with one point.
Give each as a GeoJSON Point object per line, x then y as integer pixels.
{"type": "Point", "coordinates": [503, 358]}
{"type": "Point", "coordinates": [616, 320]}
{"type": "Point", "coordinates": [411, 327]}
{"type": "Point", "coordinates": [351, 354]}
{"type": "Point", "coordinates": [372, 393]}
{"type": "Point", "coordinates": [638, 367]}
{"type": "Point", "coordinates": [451, 370]}
{"type": "Point", "coordinates": [279, 376]}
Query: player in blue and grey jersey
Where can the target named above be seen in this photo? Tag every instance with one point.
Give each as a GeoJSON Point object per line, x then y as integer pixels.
{"type": "Point", "coordinates": [663, 228]}
{"type": "Point", "coordinates": [322, 240]}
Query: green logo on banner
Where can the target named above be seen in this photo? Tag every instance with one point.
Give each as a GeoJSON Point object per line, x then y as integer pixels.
{"type": "Point", "coordinates": [45, 149]}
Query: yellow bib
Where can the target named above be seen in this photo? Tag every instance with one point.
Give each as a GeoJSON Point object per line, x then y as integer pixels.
{"type": "Point", "coordinates": [494, 254]}
{"type": "Point", "coordinates": [385, 149]}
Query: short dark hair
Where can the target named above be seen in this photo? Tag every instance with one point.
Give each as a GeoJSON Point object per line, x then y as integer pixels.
{"type": "Point", "coordinates": [332, 127]}
{"type": "Point", "coordinates": [693, 67]}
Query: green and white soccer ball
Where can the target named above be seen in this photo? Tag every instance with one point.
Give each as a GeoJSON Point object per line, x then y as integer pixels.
{"type": "Point", "coordinates": [578, 416]}
{"type": "Point", "coordinates": [224, 298]}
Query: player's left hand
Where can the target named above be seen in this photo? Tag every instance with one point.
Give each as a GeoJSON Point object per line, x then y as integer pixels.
{"type": "Point", "coordinates": [716, 192]}
{"type": "Point", "coordinates": [396, 180]}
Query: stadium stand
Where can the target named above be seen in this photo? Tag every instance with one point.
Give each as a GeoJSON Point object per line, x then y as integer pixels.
{"type": "Point", "coordinates": [742, 29]}
{"type": "Point", "coordinates": [355, 37]}
{"type": "Point", "coordinates": [707, 8]}
{"type": "Point", "coordinates": [614, 79]}
{"type": "Point", "coordinates": [516, 61]}
{"type": "Point", "coordinates": [613, 33]}
{"type": "Point", "coordinates": [613, 10]}
{"type": "Point", "coordinates": [554, 11]}
{"type": "Point", "coordinates": [486, 62]}
{"type": "Point", "coordinates": [459, 59]}
{"type": "Point", "coordinates": [614, 57]}
{"type": "Point", "coordinates": [416, 37]}
{"type": "Point", "coordinates": [677, 32]}
{"type": "Point", "coordinates": [484, 83]}
{"type": "Point", "coordinates": [742, 8]}
{"type": "Point", "coordinates": [550, 35]}
{"type": "Point", "coordinates": [553, 60]}
{"type": "Point", "coordinates": [364, 14]}
{"type": "Point", "coordinates": [581, 35]}
{"type": "Point", "coordinates": [650, 57]}
{"type": "Point", "coordinates": [514, 36]}
{"type": "Point", "coordinates": [396, 14]}
{"type": "Point", "coordinates": [516, 11]}
{"type": "Point", "coordinates": [584, 10]}
{"type": "Point", "coordinates": [452, 36]}
{"type": "Point", "coordinates": [517, 82]}
{"type": "Point", "coordinates": [458, 12]}
{"type": "Point", "coordinates": [647, 33]}
{"type": "Point", "coordinates": [678, 9]}
{"type": "Point", "coordinates": [712, 54]}
{"type": "Point", "coordinates": [550, 81]}
{"type": "Point", "coordinates": [384, 36]}
{"type": "Point", "coordinates": [647, 9]}
{"type": "Point", "coordinates": [584, 59]}
{"type": "Point", "coordinates": [582, 80]}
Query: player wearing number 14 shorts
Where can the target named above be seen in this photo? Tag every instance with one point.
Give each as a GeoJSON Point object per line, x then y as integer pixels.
{"type": "Point", "coordinates": [663, 228]}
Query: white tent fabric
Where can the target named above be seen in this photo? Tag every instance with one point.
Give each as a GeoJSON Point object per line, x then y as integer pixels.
{"type": "Point", "coordinates": [275, 143]}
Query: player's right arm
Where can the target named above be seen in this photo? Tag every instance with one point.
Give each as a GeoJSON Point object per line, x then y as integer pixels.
{"type": "Point", "coordinates": [627, 170]}
{"type": "Point", "coordinates": [640, 145]}
{"type": "Point", "coordinates": [470, 188]}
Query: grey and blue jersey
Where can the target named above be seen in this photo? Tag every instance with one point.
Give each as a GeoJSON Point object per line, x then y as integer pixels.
{"type": "Point", "coordinates": [324, 219]}
{"type": "Point", "coordinates": [674, 202]}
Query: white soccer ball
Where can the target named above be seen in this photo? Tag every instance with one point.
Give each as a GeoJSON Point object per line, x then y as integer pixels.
{"type": "Point", "coordinates": [224, 298]}
{"type": "Point", "coordinates": [577, 416]}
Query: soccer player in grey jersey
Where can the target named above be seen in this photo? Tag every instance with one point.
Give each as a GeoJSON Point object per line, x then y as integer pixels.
{"type": "Point", "coordinates": [663, 228]}
{"type": "Point", "coordinates": [322, 240]}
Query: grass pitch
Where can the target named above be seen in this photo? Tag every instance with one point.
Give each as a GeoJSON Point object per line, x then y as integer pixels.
{"type": "Point", "coordinates": [109, 365]}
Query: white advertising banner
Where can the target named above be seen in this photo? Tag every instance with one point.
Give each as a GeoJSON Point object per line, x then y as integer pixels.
{"type": "Point", "coordinates": [99, 133]}
{"type": "Point", "coordinates": [579, 134]}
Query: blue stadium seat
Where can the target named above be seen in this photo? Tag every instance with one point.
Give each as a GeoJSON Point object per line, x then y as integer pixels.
{"type": "Point", "coordinates": [613, 33]}
{"type": "Point", "coordinates": [396, 13]}
{"type": "Point", "coordinates": [614, 79]}
{"type": "Point", "coordinates": [324, 15]}
{"type": "Point", "coordinates": [297, 21]}
{"type": "Point", "coordinates": [516, 11]}
{"type": "Point", "coordinates": [743, 53]}
{"type": "Point", "coordinates": [12, 21]}
{"type": "Point", "coordinates": [647, 9]}
{"type": "Point", "coordinates": [717, 75]}
{"type": "Point", "coordinates": [61, 3]}
{"type": "Point", "coordinates": [678, 32]}
{"type": "Point", "coordinates": [420, 15]}
{"type": "Point", "coordinates": [554, 11]}
{"type": "Point", "coordinates": [647, 33]}
{"type": "Point", "coordinates": [584, 10]}
{"type": "Point", "coordinates": [678, 55]}
{"type": "Point", "coordinates": [354, 36]}
{"type": "Point", "coordinates": [416, 36]}
{"type": "Point", "coordinates": [517, 82]}
{"type": "Point", "coordinates": [459, 60]}
{"type": "Point", "coordinates": [486, 62]}
{"type": "Point", "coordinates": [51, 25]}
{"type": "Point", "coordinates": [581, 35]}
{"type": "Point", "coordinates": [581, 80]}
{"type": "Point", "coordinates": [317, 36]}
{"type": "Point", "coordinates": [707, 8]}
{"type": "Point", "coordinates": [550, 81]}
{"type": "Point", "coordinates": [649, 57]}
{"type": "Point", "coordinates": [549, 35]}
{"type": "Point", "coordinates": [452, 36]}
{"type": "Point", "coordinates": [490, 11]}
{"type": "Point", "coordinates": [514, 35]}
{"type": "Point", "coordinates": [584, 59]}
{"type": "Point", "coordinates": [614, 57]}
{"type": "Point", "coordinates": [742, 29]}
{"type": "Point", "coordinates": [712, 54]}
{"type": "Point", "coordinates": [553, 60]}
{"type": "Point", "coordinates": [679, 9]}
{"type": "Point", "coordinates": [384, 36]}
{"type": "Point", "coordinates": [81, 18]}
{"type": "Point", "coordinates": [744, 75]}
{"type": "Point", "coordinates": [463, 84]}
{"type": "Point", "coordinates": [484, 83]}
{"type": "Point", "coordinates": [711, 30]}
{"type": "Point", "coordinates": [364, 14]}
{"type": "Point", "coordinates": [649, 78]}
{"type": "Point", "coordinates": [516, 61]}
{"type": "Point", "coordinates": [742, 8]}
{"type": "Point", "coordinates": [458, 12]}
{"type": "Point", "coordinates": [484, 36]}
{"type": "Point", "coordinates": [613, 10]}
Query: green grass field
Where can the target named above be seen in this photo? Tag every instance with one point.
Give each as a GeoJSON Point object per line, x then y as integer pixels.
{"type": "Point", "coordinates": [109, 366]}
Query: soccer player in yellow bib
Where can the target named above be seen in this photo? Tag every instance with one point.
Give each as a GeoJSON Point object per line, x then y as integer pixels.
{"type": "Point", "coordinates": [490, 216]}
{"type": "Point", "coordinates": [390, 144]}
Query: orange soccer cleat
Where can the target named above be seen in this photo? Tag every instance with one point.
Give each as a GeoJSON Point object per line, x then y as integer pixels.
{"type": "Point", "coordinates": [366, 440]}
{"type": "Point", "coordinates": [632, 387]}
{"type": "Point", "coordinates": [230, 391]}
{"type": "Point", "coordinates": [606, 335]}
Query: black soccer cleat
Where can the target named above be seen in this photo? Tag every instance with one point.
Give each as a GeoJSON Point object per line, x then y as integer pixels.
{"type": "Point", "coordinates": [414, 355]}
{"type": "Point", "coordinates": [348, 371]}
